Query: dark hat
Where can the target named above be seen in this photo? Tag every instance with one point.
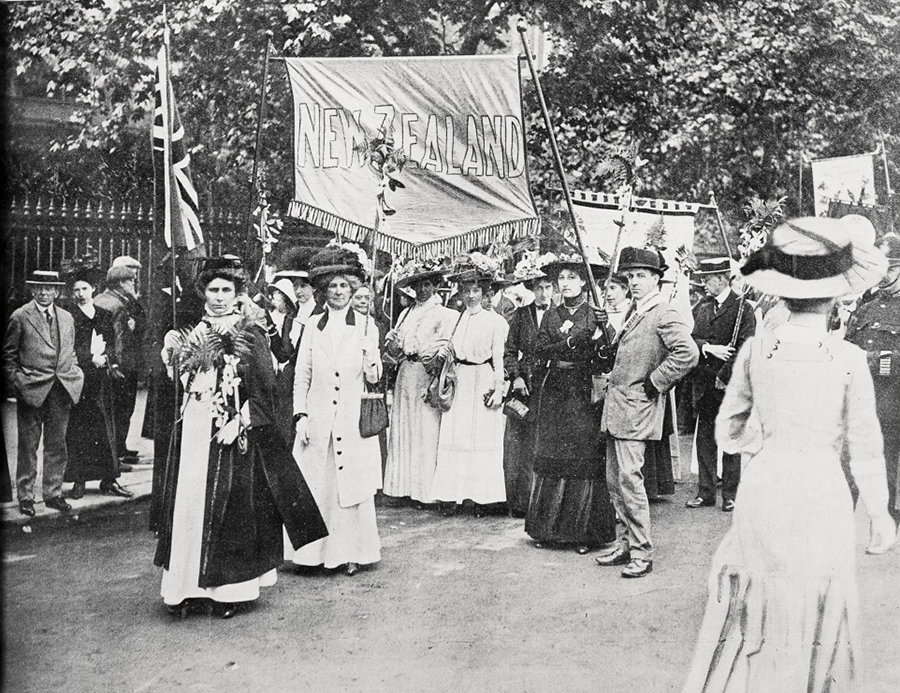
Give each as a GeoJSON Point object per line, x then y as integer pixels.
{"type": "Point", "coordinates": [553, 265]}
{"type": "Point", "coordinates": [228, 262]}
{"type": "Point", "coordinates": [294, 263]}
{"type": "Point", "coordinates": [44, 278]}
{"type": "Point", "coordinates": [334, 259]}
{"type": "Point", "coordinates": [92, 275]}
{"type": "Point", "coordinates": [470, 274]}
{"type": "Point", "coordinates": [619, 279]}
{"type": "Point", "coordinates": [642, 258]}
{"type": "Point", "coordinates": [714, 265]}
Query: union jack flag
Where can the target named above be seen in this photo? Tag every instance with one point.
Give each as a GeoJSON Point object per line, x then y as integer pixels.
{"type": "Point", "coordinates": [176, 197]}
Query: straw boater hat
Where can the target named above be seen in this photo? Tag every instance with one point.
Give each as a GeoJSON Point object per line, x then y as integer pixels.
{"type": "Point", "coordinates": [285, 286]}
{"type": "Point", "coordinates": [44, 278]}
{"type": "Point", "coordinates": [817, 257]}
{"type": "Point", "coordinates": [642, 258]}
{"type": "Point", "coordinates": [714, 265]}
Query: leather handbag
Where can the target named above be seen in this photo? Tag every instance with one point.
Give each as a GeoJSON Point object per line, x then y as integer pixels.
{"type": "Point", "coordinates": [442, 388]}
{"type": "Point", "coordinates": [373, 413]}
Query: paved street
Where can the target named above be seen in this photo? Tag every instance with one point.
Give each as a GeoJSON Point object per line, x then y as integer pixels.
{"type": "Point", "coordinates": [455, 605]}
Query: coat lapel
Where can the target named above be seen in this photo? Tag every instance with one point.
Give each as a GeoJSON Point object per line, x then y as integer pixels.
{"type": "Point", "coordinates": [719, 311]}
{"type": "Point", "coordinates": [39, 322]}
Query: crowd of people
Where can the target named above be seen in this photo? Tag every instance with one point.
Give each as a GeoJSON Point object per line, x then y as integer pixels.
{"type": "Point", "coordinates": [510, 393]}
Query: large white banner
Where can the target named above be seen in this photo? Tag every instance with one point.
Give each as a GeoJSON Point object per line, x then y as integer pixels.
{"type": "Point", "coordinates": [598, 214]}
{"type": "Point", "coordinates": [844, 178]}
{"type": "Point", "coordinates": [457, 119]}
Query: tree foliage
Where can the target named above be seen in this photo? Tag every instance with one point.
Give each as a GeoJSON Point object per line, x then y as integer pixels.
{"type": "Point", "coordinates": [719, 96]}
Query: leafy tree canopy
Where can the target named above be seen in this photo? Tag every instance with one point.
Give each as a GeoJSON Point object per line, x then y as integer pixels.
{"type": "Point", "coordinates": [721, 96]}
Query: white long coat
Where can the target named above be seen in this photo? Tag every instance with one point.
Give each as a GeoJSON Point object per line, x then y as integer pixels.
{"type": "Point", "coordinates": [328, 387]}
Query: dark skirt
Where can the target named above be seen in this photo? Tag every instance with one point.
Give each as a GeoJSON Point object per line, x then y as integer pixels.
{"type": "Point", "coordinates": [518, 463]}
{"type": "Point", "coordinates": [91, 435]}
{"type": "Point", "coordinates": [570, 511]}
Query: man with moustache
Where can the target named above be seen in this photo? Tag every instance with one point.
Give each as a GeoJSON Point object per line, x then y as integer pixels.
{"type": "Point", "coordinates": [40, 369]}
{"type": "Point", "coordinates": [718, 318]}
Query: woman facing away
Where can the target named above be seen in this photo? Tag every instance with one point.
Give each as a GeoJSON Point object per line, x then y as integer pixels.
{"type": "Point", "coordinates": [338, 352]}
{"type": "Point", "coordinates": [470, 446]}
{"type": "Point", "coordinates": [230, 482]}
{"type": "Point", "coordinates": [783, 612]}
{"type": "Point", "coordinates": [570, 503]}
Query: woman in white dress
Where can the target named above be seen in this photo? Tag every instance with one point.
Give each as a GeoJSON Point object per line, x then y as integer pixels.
{"type": "Point", "coordinates": [783, 612]}
{"type": "Point", "coordinates": [338, 351]}
{"type": "Point", "coordinates": [470, 446]}
{"type": "Point", "coordinates": [230, 482]}
{"type": "Point", "coordinates": [415, 425]}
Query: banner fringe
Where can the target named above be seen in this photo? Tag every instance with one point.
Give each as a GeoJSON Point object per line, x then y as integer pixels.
{"type": "Point", "coordinates": [398, 247]}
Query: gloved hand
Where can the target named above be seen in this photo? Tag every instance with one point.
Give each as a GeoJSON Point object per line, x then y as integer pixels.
{"type": "Point", "coordinates": [882, 528]}
{"type": "Point", "coordinates": [601, 316]}
{"type": "Point", "coordinates": [650, 389]}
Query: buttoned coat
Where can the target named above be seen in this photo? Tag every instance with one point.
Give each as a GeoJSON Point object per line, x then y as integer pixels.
{"type": "Point", "coordinates": [714, 324]}
{"type": "Point", "coordinates": [518, 355]}
{"type": "Point", "coordinates": [328, 387]}
{"type": "Point", "coordinates": [31, 364]}
{"type": "Point", "coordinates": [656, 345]}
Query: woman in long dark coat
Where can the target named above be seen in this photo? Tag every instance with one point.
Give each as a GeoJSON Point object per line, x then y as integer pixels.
{"type": "Point", "coordinates": [569, 503]}
{"type": "Point", "coordinates": [91, 435]}
{"type": "Point", "coordinates": [231, 483]}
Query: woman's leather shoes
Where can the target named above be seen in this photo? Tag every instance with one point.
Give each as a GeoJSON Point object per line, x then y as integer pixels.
{"type": "Point", "coordinates": [581, 550]}
{"type": "Point", "coordinates": [352, 569]}
{"type": "Point", "coordinates": [77, 490]}
{"type": "Point", "coordinates": [112, 488]}
{"type": "Point", "coordinates": [479, 510]}
{"type": "Point", "coordinates": [448, 509]}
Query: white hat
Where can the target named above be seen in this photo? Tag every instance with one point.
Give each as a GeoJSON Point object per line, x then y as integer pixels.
{"type": "Point", "coordinates": [126, 261]}
{"type": "Point", "coordinates": [286, 287]}
{"type": "Point", "coordinates": [817, 257]}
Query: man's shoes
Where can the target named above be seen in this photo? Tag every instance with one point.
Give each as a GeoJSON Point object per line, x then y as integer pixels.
{"type": "Point", "coordinates": [77, 490]}
{"type": "Point", "coordinates": [727, 506]}
{"type": "Point", "coordinates": [112, 488]}
{"type": "Point", "coordinates": [129, 453]}
{"type": "Point", "coordinates": [26, 507]}
{"type": "Point", "coordinates": [58, 503]}
{"type": "Point", "coordinates": [699, 502]}
{"type": "Point", "coordinates": [618, 557]}
{"type": "Point", "coordinates": [637, 568]}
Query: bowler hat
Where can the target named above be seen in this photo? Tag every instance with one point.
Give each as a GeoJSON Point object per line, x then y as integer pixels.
{"type": "Point", "coordinates": [642, 258]}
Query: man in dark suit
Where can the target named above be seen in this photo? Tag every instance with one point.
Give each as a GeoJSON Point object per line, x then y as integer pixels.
{"type": "Point", "coordinates": [526, 374]}
{"type": "Point", "coordinates": [722, 323]}
{"type": "Point", "coordinates": [120, 299]}
{"type": "Point", "coordinates": [41, 370]}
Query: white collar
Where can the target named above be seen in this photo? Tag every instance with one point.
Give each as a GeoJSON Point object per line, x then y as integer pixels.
{"type": "Point", "coordinates": [723, 296]}
{"type": "Point", "coordinates": [651, 300]}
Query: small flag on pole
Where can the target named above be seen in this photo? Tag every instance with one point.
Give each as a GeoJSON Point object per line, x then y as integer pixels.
{"type": "Point", "coordinates": [177, 196]}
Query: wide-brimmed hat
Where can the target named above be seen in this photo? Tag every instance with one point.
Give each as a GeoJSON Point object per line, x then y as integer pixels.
{"type": "Point", "coordinates": [334, 259]}
{"type": "Point", "coordinates": [642, 258]}
{"type": "Point", "coordinates": [412, 271]}
{"type": "Point", "coordinates": [528, 268]}
{"type": "Point", "coordinates": [285, 286]}
{"type": "Point", "coordinates": [817, 257]}
{"type": "Point", "coordinates": [475, 267]}
{"type": "Point", "coordinates": [889, 244]}
{"type": "Point", "coordinates": [44, 278]}
{"type": "Point", "coordinates": [554, 264]}
{"type": "Point", "coordinates": [714, 265]}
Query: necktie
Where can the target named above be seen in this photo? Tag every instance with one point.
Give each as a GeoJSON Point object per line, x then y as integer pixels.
{"type": "Point", "coordinates": [286, 332]}
{"type": "Point", "coordinates": [54, 334]}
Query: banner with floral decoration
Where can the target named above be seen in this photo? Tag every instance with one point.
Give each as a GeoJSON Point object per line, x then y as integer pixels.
{"type": "Point", "coordinates": [457, 124]}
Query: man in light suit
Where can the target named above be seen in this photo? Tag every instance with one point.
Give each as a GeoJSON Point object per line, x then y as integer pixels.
{"type": "Point", "coordinates": [654, 352]}
{"type": "Point", "coordinates": [40, 368]}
